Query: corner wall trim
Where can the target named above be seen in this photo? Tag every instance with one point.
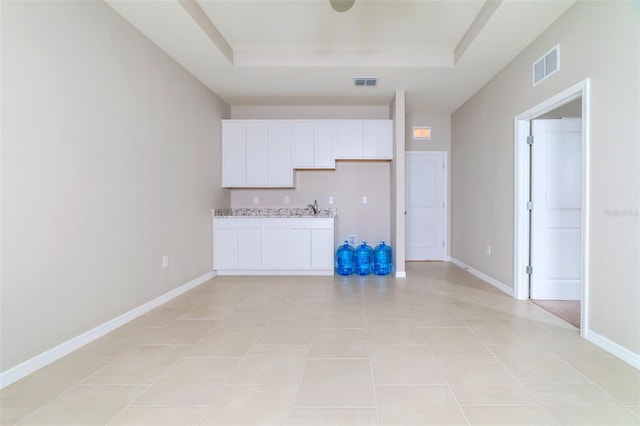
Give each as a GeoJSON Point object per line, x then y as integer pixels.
{"type": "Point", "coordinates": [29, 366]}
{"type": "Point", "coordinates": [486, 278]}
{"type": "Point", "coordinates": [613, 348]}
{"type": "Point", "coordinates": [401, 274]}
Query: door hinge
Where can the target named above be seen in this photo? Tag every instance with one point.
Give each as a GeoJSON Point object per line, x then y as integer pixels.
{"type": "Point", "coordinates": [443, 244]}
{"type": "Point", "coordinates": [529, 205]}
{"type": "Point", "coordinates": [529, 270]}
{"type": "Point", "coordinates": [529, 140]}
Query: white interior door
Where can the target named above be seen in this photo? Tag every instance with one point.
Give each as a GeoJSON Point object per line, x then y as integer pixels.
{"type": "Point", "coordinates": [556, 216]}
{"type": "Point", "coordinates": [425, 205]}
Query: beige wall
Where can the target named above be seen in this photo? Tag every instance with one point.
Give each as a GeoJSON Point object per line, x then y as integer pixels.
{"type": "Point", "coordinates": [347, 184]}
{"type": "Point", "coordinates": [109, 159]}
{"type": "Point", "coordinates": [600, 41]}
{"type": "Point", "coordinates": [440, 132]}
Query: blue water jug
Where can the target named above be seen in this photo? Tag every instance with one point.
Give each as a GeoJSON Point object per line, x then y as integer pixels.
{"type": "Point", "coordinates": [382, 259]}
{"type": "Point", "coordinates": [364, 259]}
{"type": "Point", "coordinates": [344, 259]}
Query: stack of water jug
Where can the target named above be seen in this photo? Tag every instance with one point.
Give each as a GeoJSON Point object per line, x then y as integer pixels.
{"type": "Point", "coordinates": [364, 259]}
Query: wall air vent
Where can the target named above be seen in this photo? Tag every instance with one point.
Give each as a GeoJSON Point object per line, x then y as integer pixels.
{"type": "Point", "coordinates": [365, 81]}
{"type": "Point", "coordinates": [546, 65]}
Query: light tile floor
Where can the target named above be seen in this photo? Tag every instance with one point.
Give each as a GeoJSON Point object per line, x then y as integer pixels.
{"type": "Point", "coordinates": [437, 348]}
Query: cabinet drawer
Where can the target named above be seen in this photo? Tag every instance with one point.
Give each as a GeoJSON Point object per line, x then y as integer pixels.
{"type": "Point", "coordinates": [310, 223]}
{"type": "Point", "coordinates": [233, 223]}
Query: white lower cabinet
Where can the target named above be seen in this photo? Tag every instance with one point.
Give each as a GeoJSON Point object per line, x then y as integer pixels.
{"type": "Point", "coordinates": [321, 258]}
{"type": "Point", "coordinates": [300, 253]}
{"type": "Point", "coordinates": [273, 246]}
{"type": "Point", "coordinates": [309, 241]}
{"type": "Point", "coordinates": [236, 243]}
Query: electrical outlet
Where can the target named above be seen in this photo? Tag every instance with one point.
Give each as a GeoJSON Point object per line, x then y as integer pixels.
{"type": "Point", "coordinates": [364, 200]}
{"type": "Point", "coordinates": [165, 261]}
{"type": "Point", "coordinates": [353, 240]}
{"type": "Point", "coordinates": [330, 200]}
{"type": "Point", "coordinates": [286, 199]}
{"type": "Point", "coordinates": [256, 200]}
{"type": "Point", "coordinates": [488, 250]}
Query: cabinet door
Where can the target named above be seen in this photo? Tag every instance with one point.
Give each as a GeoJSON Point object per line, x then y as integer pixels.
{"type": "Point", "coordinates": [233, 154]}
{"type": "Point", "coordinates": [257, 166]}
{"type": "Point", "coordinates": [299, 249]}
{"type": "Point", "coordinates": [349, 139]}
{"type": "Point", "coordinates": [250, 246]}
{"type": "Point", "coordinates": [324, 155]}
{"type": "Point", "coordinates": [378, 139]}
{"type": "Point", "coordinates": [274, 244]}
{"type": "Point", "coordinates": [225, 248]}
{"type": "Point", "coordinates": [303, 149]}
{"type": "Point", "coordinates": [280, 168]}
{"type": "Point", "coordinates": [322, 249]}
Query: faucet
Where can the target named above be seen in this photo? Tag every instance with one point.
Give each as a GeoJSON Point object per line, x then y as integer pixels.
{"type": "Point", "coordinates": [314, 206]}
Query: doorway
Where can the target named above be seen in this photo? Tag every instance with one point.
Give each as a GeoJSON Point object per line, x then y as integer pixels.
{"type": "Point", "coordinates": [425, 209]}
{"type": "Point", "coordinates": [559, 246]}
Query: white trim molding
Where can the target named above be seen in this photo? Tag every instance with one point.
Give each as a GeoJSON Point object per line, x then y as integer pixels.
{"type": "Point", "coordinates": [484, 277]}
{"type": "Point", "coordinates": [613, 348]}
{"type": "Point", "coordinates": [41, 360]}
{"type": "Point", "coordinates": [268, 272]}
{"type": "Point", "coordinates": [521, 189]}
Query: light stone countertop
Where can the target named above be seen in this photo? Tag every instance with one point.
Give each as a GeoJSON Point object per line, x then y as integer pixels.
{"type": "Point", "coordinates": [274, 212]}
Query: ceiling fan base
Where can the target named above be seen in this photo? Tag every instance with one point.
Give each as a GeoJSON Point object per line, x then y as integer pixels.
{"type": "Point", "coordinates": [341, 5]}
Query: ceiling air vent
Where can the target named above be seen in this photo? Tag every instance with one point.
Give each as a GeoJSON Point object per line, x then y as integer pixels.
{"type": "Point", "coordinates": [546, 65]}
{"type": "Point", "coordinates": [365, 81]}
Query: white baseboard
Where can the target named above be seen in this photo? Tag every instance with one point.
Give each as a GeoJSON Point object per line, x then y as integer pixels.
{"type": "Point", "coordinates": [29, 366]}
{"type": "Point", "coordinates": [266, 272]}
{"type": "Point", "coordinates": [613, 348]}
{"type": "Point", "coordinates": [401, 274]}
{"type": "Point", "coordinates": [486, 278]}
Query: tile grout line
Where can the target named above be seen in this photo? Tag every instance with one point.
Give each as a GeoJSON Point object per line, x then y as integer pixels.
{"type": "Point", "coordinates": [299, 385]}
{"type": "Point", "coordinates": [373, 379]}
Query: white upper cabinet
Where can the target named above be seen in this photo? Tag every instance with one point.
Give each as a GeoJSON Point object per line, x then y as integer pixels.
{"type": "Point", "coordinates": [364, 140]}
{"type": "Point", "coordinates": [377, 139]}
{"type": "Point", "coordinates": [349, 140]}
{"type": "Point", "coordinates": [263, 153]}
{"type": "Point", "coordinates": [313, 144]}
{"type": "Point", "coordinates": [234, 154]}
{"type": "Point", "coordinates": [303, 145]}
{"type": "Point", "coordinates": [256, 154]}
{"type": "Point", "coordinates": [324, 155]}
{"type": "Point", "coordinates": [279, 155]}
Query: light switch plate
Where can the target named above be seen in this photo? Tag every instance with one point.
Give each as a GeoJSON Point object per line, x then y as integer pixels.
{"type": "Point", "coordinates": [364, 200]}
{"type": "Point", "coordinates": [330, 200]}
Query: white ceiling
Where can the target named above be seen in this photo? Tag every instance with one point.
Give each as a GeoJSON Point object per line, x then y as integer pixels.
{"type": "Point", "coordinates": [302, 52]}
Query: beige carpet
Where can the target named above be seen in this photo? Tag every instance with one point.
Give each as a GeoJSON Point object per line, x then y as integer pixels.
{"type": "Point", "coordinates": [568, 310]}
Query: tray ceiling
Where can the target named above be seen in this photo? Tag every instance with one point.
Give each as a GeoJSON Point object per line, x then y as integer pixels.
{"type": "Point", "coordinates": [302, 52]}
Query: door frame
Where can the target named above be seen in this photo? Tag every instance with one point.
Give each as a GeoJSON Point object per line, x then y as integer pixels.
{"type": "Point", "coordinates": [522, 176]}
{"type": "Point", "coordinates": [445, 183]}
